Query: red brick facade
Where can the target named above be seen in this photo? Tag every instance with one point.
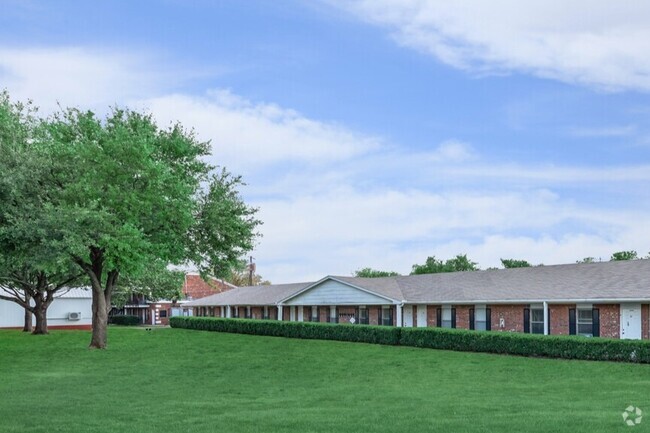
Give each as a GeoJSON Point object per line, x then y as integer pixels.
{"type": "Point", "coordinates": [507, 317]}
{"type": "Point", "coordinates": [504, 317]}
{"type": "Point", "coordinates": [645, 321]}
{"type": "Point", "coordinates": [610, 320]}
{"type": "Point", "coordinates": [195, 288]}
{"type": "Point", "coordinates": [559, 315]}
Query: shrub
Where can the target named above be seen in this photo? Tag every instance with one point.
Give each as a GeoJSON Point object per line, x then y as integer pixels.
{"type": "Point", "coordinates": [308, 330]}
{"type": "Point", "coordinates": [124, 320]}
{"type": "Point", "coordinates": [511, 343]}
{"type": "Point", "coordinates": [551, 346]}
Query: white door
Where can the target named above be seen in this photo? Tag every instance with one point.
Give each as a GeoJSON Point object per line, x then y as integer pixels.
{"type": "Point", "coordinates": [631, 321]}
{"type": "Point", "coordinates": [422, 316]}
{"type": "Point", "coordinates": [408, 316]}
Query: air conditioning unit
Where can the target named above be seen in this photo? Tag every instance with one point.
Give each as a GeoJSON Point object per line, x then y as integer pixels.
{"type": "Point", "coordinates": [74, 316]}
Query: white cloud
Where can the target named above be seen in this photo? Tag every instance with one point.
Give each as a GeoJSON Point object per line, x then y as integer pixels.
{"type": "Point", "coordinates": [247, 134]}
{"type": "Point", "coordinates": [72, 76]}
{"type": "Point", "coordinates": [599, 43]}
{"type": "Point", "coordinates": [334, 200]}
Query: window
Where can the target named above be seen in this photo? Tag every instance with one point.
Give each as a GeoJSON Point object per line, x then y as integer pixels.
{"type": "Point", "coordinates": [163, 313]}
{"type": "Point", "coordinates": [363, 316]}
{"type": "Point", "coordinates": [314, 314]}
{"type": "Point", "coordinates": [386, 315]}
{"type": "Point", "coordinates": [480, 319]}
{"type": "Point", "coordinates": [585, 322]}
{"type": "Point", "coordinates": [446, 317]}
{"type": "Point", "coordinates": [266, 312]}
{"type": "Point", "coordinates": [537, 320]}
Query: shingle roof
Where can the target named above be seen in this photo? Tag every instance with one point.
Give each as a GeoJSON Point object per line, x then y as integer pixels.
{"type": "Point", "coordinates": [76, 293]}
{"type": "Point", "coordinates": [254, 295]}
{"type": "Point", "coordinates": [623, 280]}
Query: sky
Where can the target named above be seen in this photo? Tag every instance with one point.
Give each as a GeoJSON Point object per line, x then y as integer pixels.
{"type": "Point", "coordinates": [378, 133]}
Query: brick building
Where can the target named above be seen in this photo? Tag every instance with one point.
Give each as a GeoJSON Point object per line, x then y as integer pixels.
{"type": "Point", "coordinates": [609, 299]}
{"type": "Point", "coordinates": [159, 312]}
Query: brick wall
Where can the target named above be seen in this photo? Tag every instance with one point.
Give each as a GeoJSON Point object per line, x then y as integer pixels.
{"type": "Point", "coordinates": [257, 312]}
{"type": "Point", "coordinates": [512, 315]}
{"type": "Point", "coordinates": [345, 313]}
{"type": "Point", "coordinates": [610, 320]}
{"type": "Point", "coordinates": [462, 316]}
{"type": "Point", "coordinates": [195, 288]}
{"type": "Point", "coordinates": [432, 315]}
{"type": "Point", "coordinates": [645, 321]}
{"type": "Point", "coordinates": [560, 318]}
{"type": "Point", "coordinates": [323, 313]}
{"type": "Point", "coordinates": [373, 314]}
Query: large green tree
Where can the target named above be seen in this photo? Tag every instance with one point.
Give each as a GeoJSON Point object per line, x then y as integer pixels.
{"type": "Point", "coordinates": [30, 276]}
{"type": "Point", "coordinates": [125, 194]}
{"type": "Point", "coordinates": [460, 263]}
{"type": "Point", "coordinates": [156, 282]}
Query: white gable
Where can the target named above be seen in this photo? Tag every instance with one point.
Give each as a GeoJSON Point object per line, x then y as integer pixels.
{"type": "Point", "coordinates": [331, 292]}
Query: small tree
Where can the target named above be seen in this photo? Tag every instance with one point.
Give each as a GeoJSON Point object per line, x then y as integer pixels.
{"type": "Point", "coordinates": [460, 263]}
{"type": "Point", "coordinates": [586, 260]}
{"type": "Point", "coordinates": [374, 273]}
{"type": "Point", "coordinates": [513, 263]}
{"type": "Point", "coordinates": [624, 255]}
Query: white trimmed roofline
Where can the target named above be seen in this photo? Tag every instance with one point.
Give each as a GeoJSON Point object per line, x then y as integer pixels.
{"type": "Point", "coordinates": [537, 301]}
{"type": "Point", "coordinates": [329, 277]}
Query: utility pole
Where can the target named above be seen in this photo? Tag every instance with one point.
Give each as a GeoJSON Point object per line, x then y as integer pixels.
{"type": "Point", "coordinates": [251, 271]}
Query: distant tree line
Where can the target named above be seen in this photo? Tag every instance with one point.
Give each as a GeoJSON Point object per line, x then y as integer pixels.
{"type": "Point", "coordinates": [461, 263]}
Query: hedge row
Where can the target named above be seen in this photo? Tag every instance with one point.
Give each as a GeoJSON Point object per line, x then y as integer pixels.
{"type": "Point", "coordinates": [309, 330]}
{"type": "Point", "coordinates": [510, 343]}
{"type": "Point", "coordinates": [124, 320]}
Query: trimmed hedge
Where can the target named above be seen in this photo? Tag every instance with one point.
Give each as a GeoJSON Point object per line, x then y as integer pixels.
{"type": "Point", "coordinates": [308, 330]}
{"type": "Point", "coordinates": [124, 320]}
{"type": "Point", "coordinates": [509, 343]}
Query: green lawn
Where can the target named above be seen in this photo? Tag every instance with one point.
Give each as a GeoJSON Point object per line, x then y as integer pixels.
{"type": "Point", "coordinates": [174, 380]}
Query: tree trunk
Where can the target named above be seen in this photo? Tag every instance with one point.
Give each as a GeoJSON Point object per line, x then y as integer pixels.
{"type": "Point", "coordinates": [100, 321]}
{"type": "Point", "coordinates": [27, 327]}
{"type": "Point", "coordinates": [101, 295]}
{"type": "Point", "coordinates": [40, 311]}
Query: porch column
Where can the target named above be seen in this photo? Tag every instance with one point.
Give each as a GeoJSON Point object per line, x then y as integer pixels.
{"type": "Point", "coordinates": [301, 313]}
{"type": "Point", "coordinates": [545, 318]}
{"type": "Point", "coordinates": [280, 312]}
{"type": "Point", "coordinates": [399, 315]}
{"type": "Point", "coordinates": [228, 312]}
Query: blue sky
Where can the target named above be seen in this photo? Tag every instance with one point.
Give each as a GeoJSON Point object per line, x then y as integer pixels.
{"type": "Point", "coordinates": [376, 133]}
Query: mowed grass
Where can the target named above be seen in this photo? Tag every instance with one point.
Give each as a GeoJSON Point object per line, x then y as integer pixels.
{"type": "Point", "coordinates": [174, 380]}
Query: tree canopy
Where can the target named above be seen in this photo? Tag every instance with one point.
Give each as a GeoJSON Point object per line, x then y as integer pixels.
{"type": "Point", "coordinates": [30, 275]}
{"type": "Point", "coordinates": [118, 197]}
{"type": "Point", "coordinates": [514, 263]}
{"type": "Point", "coordinates": [460, 263]}
{"type": "Point", "coordinates": [624, 255]}
{"type": "Point", "coordinates": [374, 273]}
